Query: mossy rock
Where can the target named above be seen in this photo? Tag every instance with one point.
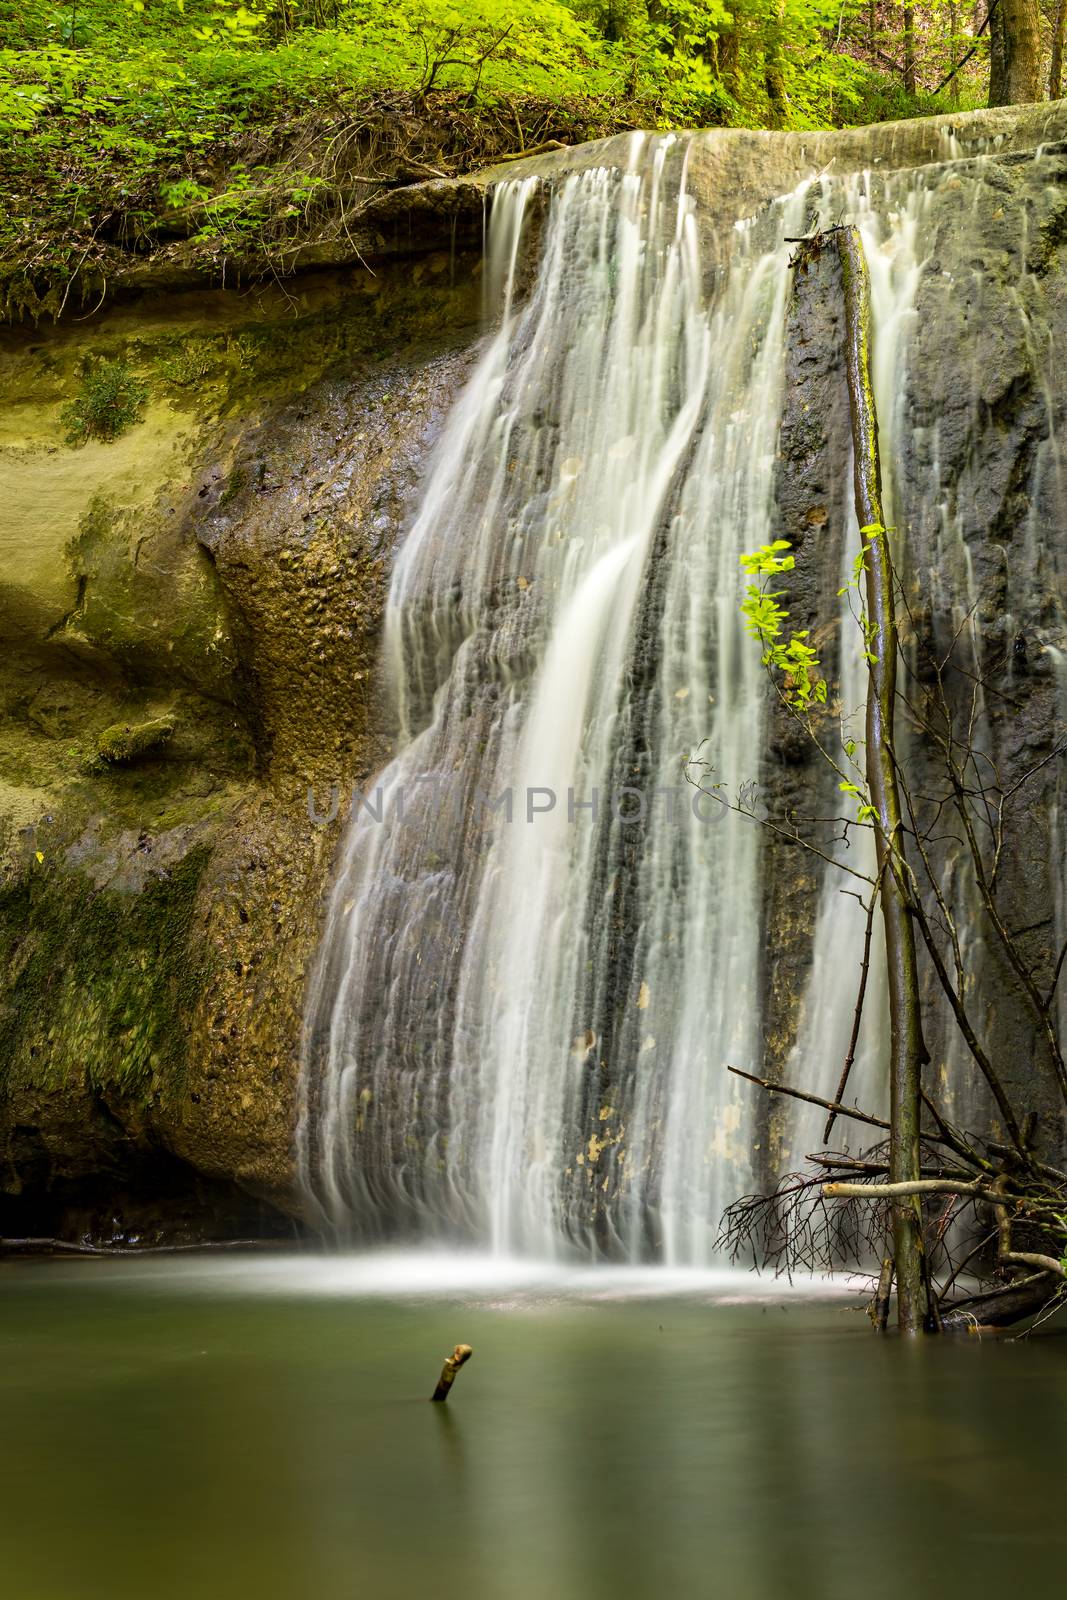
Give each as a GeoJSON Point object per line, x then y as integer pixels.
{"type": "Point", "coordinates": [125, 743]}
{"type": "Point", "coordinates": [104, 980]}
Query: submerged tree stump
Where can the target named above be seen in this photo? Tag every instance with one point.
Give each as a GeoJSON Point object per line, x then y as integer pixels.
{"type": "Point", "coordinates": [460, 1354]}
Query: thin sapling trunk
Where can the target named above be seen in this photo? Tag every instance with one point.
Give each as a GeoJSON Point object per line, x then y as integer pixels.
{"type": "Point", "coordinates": [907, 1051]}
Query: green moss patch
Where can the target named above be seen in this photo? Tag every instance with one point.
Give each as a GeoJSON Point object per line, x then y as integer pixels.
{"type": "Point", "coordinates": [125, 742]}
{"type": "Point", "coordinates": [101, 985]}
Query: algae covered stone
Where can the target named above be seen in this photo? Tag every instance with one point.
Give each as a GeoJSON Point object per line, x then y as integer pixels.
{"type": "Point", "coordinates": [126, 742]}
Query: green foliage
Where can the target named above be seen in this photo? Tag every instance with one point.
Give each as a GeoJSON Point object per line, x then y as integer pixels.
{"type": "Point", "coordinates": [236, 125]}
{"type": "Point", "coordinates": [792, 658]}
{"type": "Point", "coordinates": [868, 534]}
{"type": "Point", "coordinates": [108, 402]}
{"type": "Point", "coordinates": [190, 367]}
{"type": "Point", "coordinates": [183, 192]}
{"type": "Point", "coordinates": [866, 812]}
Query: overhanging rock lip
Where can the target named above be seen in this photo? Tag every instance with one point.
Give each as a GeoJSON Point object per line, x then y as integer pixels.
{"type": "Point", "coordinates": [742, 168]}
{"type": "Point", "coordinates": [749, 166]}
{"type": "Point", "coordinates": [774, 157]}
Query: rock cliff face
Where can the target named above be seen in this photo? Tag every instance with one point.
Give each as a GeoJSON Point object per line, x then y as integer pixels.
{"type": "Point", "coordinates": [190, 622]}
{"type": "Point", "coordinates": [979, 500]}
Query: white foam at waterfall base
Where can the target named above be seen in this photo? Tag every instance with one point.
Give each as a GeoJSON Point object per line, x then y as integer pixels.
{"type": "Point", "coordinates": [471, 1276]}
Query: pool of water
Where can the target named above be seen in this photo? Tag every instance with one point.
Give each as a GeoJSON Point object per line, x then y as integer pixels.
{"type": "Point", "coordinates": [260, 1430]}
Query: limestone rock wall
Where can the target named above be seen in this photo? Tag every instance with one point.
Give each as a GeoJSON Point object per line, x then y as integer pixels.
{"type": "Point", "coordinates": [217, 572]}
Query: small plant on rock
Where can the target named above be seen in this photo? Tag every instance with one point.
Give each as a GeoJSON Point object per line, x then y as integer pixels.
{"type": "Point", "coordinates": [108, 402]}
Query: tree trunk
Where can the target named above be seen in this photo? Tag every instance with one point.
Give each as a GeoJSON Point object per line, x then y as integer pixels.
{"type": "Point", "coordinates": [1014, 53]}
{"type": "Point", "coordinates": [1000, 1308]}
{"type": "Point", "coordinates": [907, 1051]}
{"type": "Point", "coordinates": [879, 1311]}
{"type": "Point", "coordinates": [774, 72]}
{"type": "Point", "coordinates": [728, 59]}
{"type": "Point", "coordinates": [1055, 74]}
{"type": "Point", "coordinates": [997, 58]}
{"type": "Point", "coordinates": [909, 49]}
{"type": "Point", "coordinates": [626, 19]}
{"type": "Point", "coordinates": [953, 51]}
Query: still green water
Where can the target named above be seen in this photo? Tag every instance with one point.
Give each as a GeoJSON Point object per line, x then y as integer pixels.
{"type": "Point", "coordinates": [263, 1432]}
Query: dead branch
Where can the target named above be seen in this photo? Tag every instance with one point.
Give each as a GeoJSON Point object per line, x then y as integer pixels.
{"type": "Point", "coordinates": [812, 1099]}
{"type": "Point", "coordinates": [461, 1354]}
{"type": "Point", "coordinates": [865, 966]}
{"type": "Point", "coordinates": [895, 1191]}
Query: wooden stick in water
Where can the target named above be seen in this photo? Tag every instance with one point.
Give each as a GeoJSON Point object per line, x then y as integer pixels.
{"type": "Point", "coordinates": [879, 1311]}
{"type": "Point", "coordinates": [460, 1354]}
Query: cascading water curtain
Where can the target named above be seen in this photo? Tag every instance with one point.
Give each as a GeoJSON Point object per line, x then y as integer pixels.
{"type": "Point", "coordinates": [890, 224]}
{"type": "Point", "coordinates": [543, 945]}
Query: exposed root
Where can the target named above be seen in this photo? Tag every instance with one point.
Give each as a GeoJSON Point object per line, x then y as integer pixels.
{"type": "Point", "coordinates": [304, 183]}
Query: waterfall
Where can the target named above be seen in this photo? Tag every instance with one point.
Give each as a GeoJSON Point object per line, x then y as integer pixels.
{"type": "Point", "coordinates": [543, 944]}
